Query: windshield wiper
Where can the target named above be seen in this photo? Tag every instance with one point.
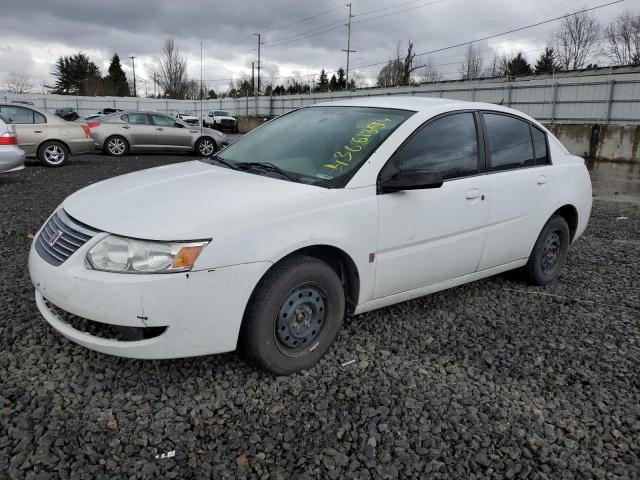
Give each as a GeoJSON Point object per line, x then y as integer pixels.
{"type": "Point", "coordinates": [269, 167]}
{"type": "Point", "coordinates": [224, 162]}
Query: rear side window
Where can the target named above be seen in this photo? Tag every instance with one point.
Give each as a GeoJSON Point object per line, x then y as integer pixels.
{"type": "Point", "coordinates": [18, 115]}
{"type": "Point", "coordinates": [135, 118]}
{"type": "Point", "coordinates": [540, 146]}
{"type": "Point", "coordinates": [39, 118]}
{"type": "Point", "coordinates": [448, 145]}
{"type": "Point", "coordinates": [510, 142]}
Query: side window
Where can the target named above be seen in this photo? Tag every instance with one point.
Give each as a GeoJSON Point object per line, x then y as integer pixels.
{"type": "Point", "coordinates": [540, 146]}
{"type": "Point", "coordinates": [509, 141]}
{"type": "Point", "coordinates": [39, 118]}
{"type": "Point", "coordinates": [162, 121]}
{"type": "Point", "coordinates": [135, 118]}
{"type": "Point", "coordinates": [17, 114]}
{"type": "Point", "coordinates": [448, 145]}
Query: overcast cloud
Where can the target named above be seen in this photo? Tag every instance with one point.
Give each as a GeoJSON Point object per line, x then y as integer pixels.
{"type": "Point", "coordinates": [35, 33]}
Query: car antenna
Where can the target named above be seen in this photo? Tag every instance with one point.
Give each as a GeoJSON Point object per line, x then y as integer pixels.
{"type": "Point", "coordinates": [501, 101]}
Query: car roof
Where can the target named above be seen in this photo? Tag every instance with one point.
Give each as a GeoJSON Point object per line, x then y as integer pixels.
{"type": "Point", "coordinates": [419, 104]}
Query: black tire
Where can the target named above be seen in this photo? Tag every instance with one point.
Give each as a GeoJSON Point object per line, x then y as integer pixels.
{"type": "Point", "coordinates": [53, 154]}
{"type": "Point", "coordinates": [310, 293]}
{"type": "Point", "coordinates": [206, 146]}
{"type": "Point", "coordinates": [116, 146]}
{"type": "Point", "coordinates": [549, 253]}
{"type": "Point", "coordinates": [235, 129]}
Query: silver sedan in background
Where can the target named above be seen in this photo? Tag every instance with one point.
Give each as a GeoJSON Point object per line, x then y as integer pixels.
{"type": "Point", "coordinates": [11, 156]}
{"type": "Point", "coordinates": [125, 132]}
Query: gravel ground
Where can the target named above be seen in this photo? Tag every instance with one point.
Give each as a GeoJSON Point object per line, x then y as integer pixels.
{"type": "Point", "coordinates": [495, 379]}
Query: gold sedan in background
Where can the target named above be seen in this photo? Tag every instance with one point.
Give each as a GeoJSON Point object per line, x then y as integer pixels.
{"type": "Point", "coordinates": [44, 136]}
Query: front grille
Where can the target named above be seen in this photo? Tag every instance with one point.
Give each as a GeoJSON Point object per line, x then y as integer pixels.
{"type": "Point", "coordinates": [104, 330]}
{"type": "Point", "coordinates": [227, 123]}
{"type": "Point", "coordinates": [61, 236]}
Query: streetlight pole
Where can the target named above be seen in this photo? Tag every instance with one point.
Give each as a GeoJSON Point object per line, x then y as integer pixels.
{"type": "Point", "coordinates": [133, 63]}
{"type": "Point", "coordinates": [259, 64]}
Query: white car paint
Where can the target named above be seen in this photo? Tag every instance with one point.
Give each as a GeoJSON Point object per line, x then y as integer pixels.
{"type": "Point", "coordinates": [420, 241]}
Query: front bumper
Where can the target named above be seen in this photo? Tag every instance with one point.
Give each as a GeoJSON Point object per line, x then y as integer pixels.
{"type": "Point", "coordinates": [202, 310]}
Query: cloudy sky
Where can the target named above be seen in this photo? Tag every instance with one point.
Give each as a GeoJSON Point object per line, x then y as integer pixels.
{"type": "Point", "coordinates": [35, 33]}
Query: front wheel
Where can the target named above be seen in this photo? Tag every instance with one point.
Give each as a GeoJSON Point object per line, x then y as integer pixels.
{"type": "Point", "coordinates": [53, 154]}
{"type": "Point", "coordinates": [293, 316]}
{"type": "Point", "coordinates": [205, 147]}
{"type": "Point", "coordinates": [550, 252]}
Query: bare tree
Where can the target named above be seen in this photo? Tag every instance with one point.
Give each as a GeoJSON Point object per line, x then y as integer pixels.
{"type": "Point", "coordinates": [171, 72]}
{"type": "Point", "coordinates": [427, 73]}
{"type": "Point", "coordinates": [577, 42]}
{"type": "Point", "coordinates": [499, 66]}
{"type": "Point", "coordinates": [17, 83]}
{"type": "Point", "coordinates": [472, 65]}
{"type": "Point", "coordinates": [359, 79]}
{"type": "Point", "coordinates": [623, 40]}
{"type": "Point", "coordinates": [398, 71]}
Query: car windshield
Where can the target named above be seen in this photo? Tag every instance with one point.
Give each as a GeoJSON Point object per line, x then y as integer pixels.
{"type": "Point", "coordinates": [318, 145]}
{"type": "Point", "coordinates": [220, 113]}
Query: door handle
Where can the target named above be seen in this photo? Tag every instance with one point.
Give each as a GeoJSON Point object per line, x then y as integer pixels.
{"type": "Point", "coordinates": [473, 193]}
{"type": "Point", "coordinates": [37, 131]}
{"type": "Point", "coordinates": [126, 127]}
{"type": "Point", "coordinates": [542, 180]}
{"type": "Point", "coordinates": [160, 129]}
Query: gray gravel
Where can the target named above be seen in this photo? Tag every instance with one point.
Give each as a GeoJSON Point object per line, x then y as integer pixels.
{"type": "Point", "coordinates": [496, 379]}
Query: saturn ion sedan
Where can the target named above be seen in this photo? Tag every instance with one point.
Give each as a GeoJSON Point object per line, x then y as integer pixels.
{"type": "Point", "coordinates": [125, 132]}
{"type": "Point", "coordinates": [330, 210]}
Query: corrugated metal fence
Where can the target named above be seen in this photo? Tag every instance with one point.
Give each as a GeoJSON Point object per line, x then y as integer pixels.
{"type": "Point", "coordinates": [610, 96]}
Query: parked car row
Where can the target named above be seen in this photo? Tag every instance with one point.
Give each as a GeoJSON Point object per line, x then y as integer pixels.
{"type": "Point", "coordinates": [52, 139]}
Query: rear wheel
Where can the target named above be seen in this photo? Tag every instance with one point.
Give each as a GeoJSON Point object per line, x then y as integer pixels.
{"type": "Point", "coordinates": [293, 316]}
{"type": "Point", "coordinates": [205, 147]}
{"type": "Point", "coordinates": [53, 154]}
{"type": "Point", "coordinates": [550, 252]}
{"type": "Point", "coordinates": [116, 146]}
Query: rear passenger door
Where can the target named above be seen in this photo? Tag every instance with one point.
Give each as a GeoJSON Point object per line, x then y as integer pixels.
{"type": "Point", "coordinates": [523, 187]}
{"type": "Point", "coordinates": [138, 130]}
{"type": "Point", "coordinates": [31, 126]}
{"type": "Point", "coordinates": [432, 235]}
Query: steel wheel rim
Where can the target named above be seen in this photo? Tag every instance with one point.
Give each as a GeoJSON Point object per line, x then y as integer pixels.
{"type": "Point", "coordinates": [301, 319]}
{"type": "Point", "coordinates": [551, 251]}
{"type": "Point", "coordinates": [116, 146]}
{"type": "Point", "coordinates": [206, 147]}
{"type": "Point", "coordinates": [54, 154]}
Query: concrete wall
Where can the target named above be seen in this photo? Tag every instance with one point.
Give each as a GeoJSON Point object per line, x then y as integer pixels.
{"type": "Point", "coordinates": [618, 143]}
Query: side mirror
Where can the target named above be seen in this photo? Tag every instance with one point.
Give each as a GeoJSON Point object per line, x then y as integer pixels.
{"type": "Point", "coordinates": [410, 180]}
{"type": "Point", "coordinates": [179, 125]}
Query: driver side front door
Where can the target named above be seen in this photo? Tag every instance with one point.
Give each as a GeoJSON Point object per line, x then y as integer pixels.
{"type": "Point", "coordinates": [433, 235]}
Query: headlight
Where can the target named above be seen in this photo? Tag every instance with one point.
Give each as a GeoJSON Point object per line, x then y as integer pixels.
{"type": "Point", "coordinates": [126, 255]}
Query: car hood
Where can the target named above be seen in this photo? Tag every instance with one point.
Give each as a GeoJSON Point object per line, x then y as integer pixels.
{"type": "Point", "coordinates": [219, 117]}
{"type": "Point", "coordinates": [185, 201]}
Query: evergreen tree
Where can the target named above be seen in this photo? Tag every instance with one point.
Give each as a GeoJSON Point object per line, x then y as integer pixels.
{"type": "Point", "coordinates": [333, 83]}
{"type": "Point", "coordinates": [547, 62]}
{"type": "Point", "coordinates": [76, 74]}
{"type": "Point", "coordinates": [323, 83]}
{"type": "Point", "coordinates": [116, 80]}
{"type": "Point", "coordinates": [342, 82]}
{"type": "Point", "coordinates": [518, 65]}
{"type": "Point", "coordinates": [211, 94]}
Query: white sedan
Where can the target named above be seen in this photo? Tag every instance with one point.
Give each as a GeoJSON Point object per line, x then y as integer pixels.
{"type": "Point", "coordinates": [333, 209]}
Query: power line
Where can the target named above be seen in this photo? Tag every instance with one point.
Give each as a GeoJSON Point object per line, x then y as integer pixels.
{"type": "Point", "coordinates": [487, 37]}
{"type": "Point", "coordinates": [302, 20]}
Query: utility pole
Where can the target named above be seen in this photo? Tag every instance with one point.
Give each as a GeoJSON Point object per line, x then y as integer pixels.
{"type": "Point", "coordinates": [133, 63]}
{"type": "Point", "coordinates": [201, 89]}
{"type": "Point", "coordinates": [155, 92]}
{"type": "Point", "coordinates": [348, 50]}
{"type": "Point", "coordinates": [259, 64]}
{"type": "Point", "coordinates": [253, 80]}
